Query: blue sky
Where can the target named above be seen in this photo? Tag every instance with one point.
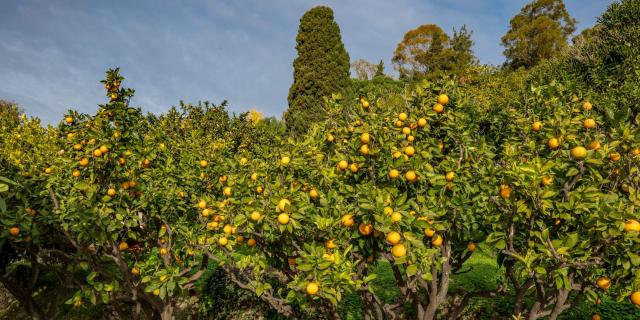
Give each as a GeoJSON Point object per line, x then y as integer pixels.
{"type": "Point", "coordinates": [53, 53]}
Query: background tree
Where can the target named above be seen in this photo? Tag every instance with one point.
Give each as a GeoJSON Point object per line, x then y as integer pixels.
{"type": "Point", "coordinates": [538, 32]}
{"type": "Point", "coordinates": [461, 53]}
{"type": "Point", "coordinates": [321, 68]}
{"type": "Point", "coordinates": [422, 51]}
{"type": "Point", "coordinates": [364, 69]}
{"type": "Point", "coordinates": [380, 69]}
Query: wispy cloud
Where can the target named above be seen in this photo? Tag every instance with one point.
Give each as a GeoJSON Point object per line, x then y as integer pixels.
{"type": "Point", "coordinates": [52, 54]}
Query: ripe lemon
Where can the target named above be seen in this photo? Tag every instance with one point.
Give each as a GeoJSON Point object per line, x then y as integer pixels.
{"type": "Point", "coordinates": [156, 292]}
{"type": "Point", "coordinates": [312, 288]}
{"type": "Point", "coordinates": [387, 210]}
{"type": "Point", "coordinates": [135, 271]}
{"type": "Point", "coordinates": [578, 153]}
{"type": "Point", "coordinates": [343, 164]}
{"type": "Point", "coordinates": [104, 149]}
{"type": "Point", "coordinates": [365, 104]}
{"type": "Point", "coordinates": [547, 180]}
{"type": "Point", "coordinates": [330, 244]}
{"type": "Point", "coordinates": [406, 130]}
{"type": "Point", "coordinates": [76, 173]}
{"type": "Point", "coordinates": [396, 154]}
{"type": "Point", "coordinates": [313, 194]}
{"type": "Point", "coordinates": [411, 176]}
{"type": "Point", "coordinates": [259, 189]}
{"type": "Point", "coordinates": [438, 108]}
{"type": "Point", "coordinates": [254, 176]}
{"type": "Point", "coordinates": [603, 283]}
{"type": "Point", "coordinates": [163, 251]}
{"type": "Point", "coordinates": [204, 163]}
{"type": "Point", "coordinates": [111, 192]}
{"type": "Point", "coordinates": [223, 241]}
{"type": "Point", "coordinates": [402, 116]}
{"type": "Point", "coordinates": [68, 119]}
{"type": "Point", "coordinates": [396, 216]}
{"type": "Point", "coordinates": [437, 240]}
{"type": "Point", "coordinates": [589, 123]}
{"type": "Point", "coordinates": [202, 204]}
{"type": "Point", "coordinates": [393, 173]}
{"type": "Point", "coordinates": [285, 160]}
{"type": "Point", "coordinates": [422, 122]}
{"type": "Point", "coordinates": [398, 250]}
{"type": "Point", "coordinates": [365, 138]}
{"type": "Point", "coordinates": [123, 246]}
{"type": "Point", "coordinates": [587, 105]}
{"type": "Point", "coordinates": [243, 161]}
{"type": "Point", "coordinates": [410, 151]}
{"type": "Point", "coordinates": [354, 167]}
{"type": "Point", "coordinates": [393, 237]}
{"type": "Point", "coordinates": [443, 99]}
{"type": "Point", "coordinates": [554, 143]}
{"type": "Point", "coordinates": [227, 229]}
{"type": "Point", "coordinates": [283, 218]}
{"type": "Point", "coordinates": [97, 153]}
{"type": "Point", "coordinates": [206, 212]}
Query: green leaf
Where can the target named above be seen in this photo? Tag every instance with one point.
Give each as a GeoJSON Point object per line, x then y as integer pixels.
{"type": "Point", "coordinates": [3, 187]}
{"type": "Point", "coordinates": [412, 270]}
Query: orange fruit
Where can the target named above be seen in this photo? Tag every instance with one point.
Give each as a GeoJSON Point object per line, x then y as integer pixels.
{"type": "Point", "coordinates": [202, 204]}
{"type": "Point", "coordinates": [123, 246]}
{"type": "Point", "coordinates": [471, 247]}
{"type": "Point", "coordinates": [547, 180]}
{"type": "Point", "coordinates": [14, 231]}
{"type": "Point", "coordinates": [614, 156]}
{"type": "Point", "coordinates": [343, 164]}
{"type": "Point", "coordinates": [354, 167]}
{"type": "Point", "coordinates": [406, 130]}
{"type": "Point", "coordinates": [365, 104]}
{"type": "Point", "coordinates": [227, 192]}
{"type": "Point", "coordinates": [437, 240]}
{"type": "Point", "coordinates": [505, 191]}
{"type": "Point", "coordinates": [204, 163]}
{"type": "Point", "coordinates": [347, 220]}
{"type": "Point", "coordinates": [603, 283]}
{"type": "Point", "coordinates": [393, 173]}
{"type": "Point", "coordinates": [402, 116]}
{"type": "Point", "coordinates": [68, 119]}
{"type": "Point", "coordinates": [594, 145]}
{"type": "Point", "coordinates": [428, 232]}
{"type": "Point", "coordinates": [438, 108]}
{"type": "Point", "coordinates": [398, 250]}
{"type": "Point", "coordinates": [223, 241]}
{"type": "Point", "coordinates": [312, 288]}
{"type": "Point", "coordinates": [283, 218]}
{"type": "Point", "coordinates": [443, 99]}
{"type": "Point", "coordinates": [365, 138]}
{"type": "Point", "coordinates": [587, 105]}
{"type": "Point", "coordinates": [285, 160]}
{"type": "Point", "coordinates": [632, 225]}
{"type": "Point", "coordinates": [111, 192]}
{"type": "Point", "coordinates": [578, 153]}
{"type": "Point", "coordinates": [84, 162]}
{"type": "Point", "coordinates": [410, 151]}
{"type": "Point", "coordinates": [393, 237]}
{"type": "Point", "coordinates": [411, 176]}
{"type": "Point", "coordinates": [364, 149]}
{"type": "Point", "coordinates": [635, 298]}
{"type": "Point", "coordinates": [313, 194]}
{"type": "Point", "coordinates": [330, 244]}
{"type": "Point", "coordinates": [365, 229]}
{"type": "Point", "coordinates": [536, 126]}
{"type": "Point", "coordinates": [135, 271]}
{"type": "Point", "coordinates": [449, 176]}
{"type": "Point", "coordinates": [76, 173]}
{"type": "Point", "coordinates": [553, 143]}
{"type": "Point", "coordinates": [422, 122]}
{"type": "Point", "coordinates": [330, 137]}
{"type": "Point", "coordinates": [589, 123]}
{"type": "Point", "coordinates": [396, 216]}
{"type": "Point", "coordinates": [255, 215]}
{"type": "Point", "coordinates": [251, 242]}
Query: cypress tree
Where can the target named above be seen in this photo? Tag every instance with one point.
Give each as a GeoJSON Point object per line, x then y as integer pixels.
{"type": "Point", "coordinates": [321, 69]}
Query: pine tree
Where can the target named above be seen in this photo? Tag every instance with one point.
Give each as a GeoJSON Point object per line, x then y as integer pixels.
{"type": "Point", "coordinates": [380, 69]}
{"type": "Point", "coordinates": [321, 69]}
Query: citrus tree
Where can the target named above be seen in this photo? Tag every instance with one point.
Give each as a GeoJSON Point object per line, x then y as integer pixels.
{"type": "Point", "coordinates": [563, 210]}
{"type": "Point", "coordinates": [309, 221]}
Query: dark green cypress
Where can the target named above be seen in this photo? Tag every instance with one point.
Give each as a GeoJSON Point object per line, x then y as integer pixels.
{"type": "Point", "coordinates": [321, 69]}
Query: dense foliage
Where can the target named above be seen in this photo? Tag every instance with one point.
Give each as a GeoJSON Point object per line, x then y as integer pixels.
{"type": "Point", "coordinates": [503, 194]}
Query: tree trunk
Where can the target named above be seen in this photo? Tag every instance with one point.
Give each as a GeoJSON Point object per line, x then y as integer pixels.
{"type": "Point", "coordinates": [167, 312]}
